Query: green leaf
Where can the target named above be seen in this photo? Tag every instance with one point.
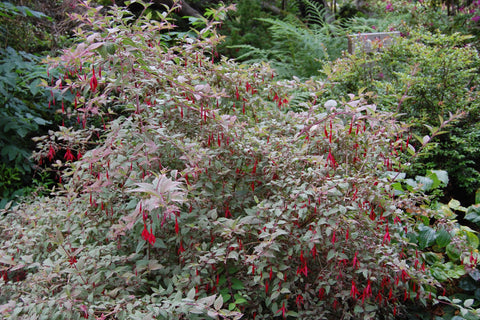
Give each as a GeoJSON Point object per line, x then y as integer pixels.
{"type": "Point", "coordinates": [443, 238]}
{"type": "Point", "coordinates": [456, 205]}
{"type": "Point", "coordinates": [452, 252]}
{"type": "Point", "coordinates": [439, 177]}
{"type": "Point", "coordinates": [425, 182]}
{"type": "Point", "coordinates": [473, 214]}
{"type": "Point", "coordinates": [426, 236]}
{"type": "Point", "coordinates": [472, 239]}
{"type": "Point", "coordinates": [237, 284]}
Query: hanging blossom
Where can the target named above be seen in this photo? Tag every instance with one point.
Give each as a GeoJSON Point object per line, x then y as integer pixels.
{"type": "Point", "coordinates": [69, 156]}
{"type": "Point", "coordinates": [93, 81]}
{"type": "Point", "coordinates": [148, 236]}
{"type": "Point", "coordinates": [51, 153]}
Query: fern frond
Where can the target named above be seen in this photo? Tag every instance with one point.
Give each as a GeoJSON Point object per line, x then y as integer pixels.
{"type": "Point", "coordinates": [315, 12]}
{"type": "Point", "coordinates": [299, 99]}
{"type": "Point", "coordinates": [255, 55]}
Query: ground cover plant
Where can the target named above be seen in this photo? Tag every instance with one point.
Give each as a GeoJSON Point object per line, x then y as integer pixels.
{"type": "Point", "coordinates": [192, 189]}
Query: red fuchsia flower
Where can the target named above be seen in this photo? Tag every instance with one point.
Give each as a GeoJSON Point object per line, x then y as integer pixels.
{"type": "Point", "coordinates": [51, 153]}
{"type": "Point", "coordinates": [331, 159]}
{"type": "Point", "coordinates": [367, 292]}
{"type": "Point", "coordinates": [84, 309]}
{"type": "Point", "coordinates": [148, 236]}
{"type": "Point", "coordinates": [303, 269]}
{"type": "Point", "coordinates": [228, 214]}
{"type": "Point", "coordinates": [321, 293]}
{"type": "Point", "coordinates": [69, 156]}
{"type": "Point", "coordinates": [355, 261]}
{"type": "Point", "coordinates": [386, 237]}
{"type": "Point", "coordinates": [476, 18]}
{"type": "Point", "coordinates": [181, 248]}
{"type": "Point", "coordinates": [176, 226]}
{"type": "Point", "coordinates": [354, 292]}
{"type": "Point", "coordinates": [93, 81]}
{"type": "Point", "coordinates": [283, 310]}
{"type": "Point", "coordinates": [72, 260]}
{"type": "Point", "coordinates": [276, 97]}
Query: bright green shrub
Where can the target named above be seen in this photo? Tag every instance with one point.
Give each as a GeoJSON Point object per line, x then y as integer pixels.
{"type": "Point", "coordinates": [206, 197]}
{"type": "Point", "coordinates": [424, 76]}
{"type": "Point", "coordinates": [24, 111]}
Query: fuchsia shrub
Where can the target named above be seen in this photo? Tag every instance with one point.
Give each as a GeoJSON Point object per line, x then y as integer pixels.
{"type": "Point", "coordinates": [206, 196]}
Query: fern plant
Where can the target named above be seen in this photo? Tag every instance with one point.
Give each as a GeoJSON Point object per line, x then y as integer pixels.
{"type": "Point", "coordinates": [297, 50]}
{"type": "Point", "coordinates": [301, 48]}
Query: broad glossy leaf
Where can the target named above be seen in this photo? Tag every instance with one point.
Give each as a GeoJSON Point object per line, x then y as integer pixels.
{"type": "Point", "coordinates": [426, 236]}
{"type": "Point", "coordinates": [443, 238]}
{"type": "Point", "coordinates": [453, 252]}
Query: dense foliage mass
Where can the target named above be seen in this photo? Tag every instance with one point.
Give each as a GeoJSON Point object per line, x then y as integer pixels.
{"type": "Point", "coordinates": [424, 77]}
{"type": "Point", "coordinates": [196, 187]}
{"type": "Point", "coordinates": [27, 108]}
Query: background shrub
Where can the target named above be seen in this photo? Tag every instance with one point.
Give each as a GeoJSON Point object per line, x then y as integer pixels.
{"type": "Point", "coordinates": [424, 76]}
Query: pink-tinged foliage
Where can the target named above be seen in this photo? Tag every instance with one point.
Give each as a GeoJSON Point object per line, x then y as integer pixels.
{"type": "Point", "coordinates": [185, 207]}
